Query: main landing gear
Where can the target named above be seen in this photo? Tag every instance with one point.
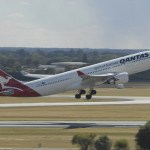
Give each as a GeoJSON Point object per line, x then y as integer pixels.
{"type": "Point", "coordinates": [88, 96]}
{"type": "Point", "coordinates": [80, 92]}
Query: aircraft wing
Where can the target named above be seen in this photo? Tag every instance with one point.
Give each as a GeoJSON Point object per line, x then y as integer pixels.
{"type": "Point", "coordinates": [103, 78]}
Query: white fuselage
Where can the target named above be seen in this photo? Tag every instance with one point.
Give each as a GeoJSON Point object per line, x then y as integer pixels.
{"type": "Point", "coordinates": [70, 80]}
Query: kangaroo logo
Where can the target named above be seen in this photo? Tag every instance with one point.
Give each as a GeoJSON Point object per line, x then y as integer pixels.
{"type": "Point", "coordinates": [4, 81]}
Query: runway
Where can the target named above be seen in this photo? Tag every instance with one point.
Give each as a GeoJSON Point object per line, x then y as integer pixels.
{"type": "Point", "coordinates": [117, 100]}
{"type": "Point", "coordinates": [112, 100]}
{"type": "Point", "coordinates": [70, 124]}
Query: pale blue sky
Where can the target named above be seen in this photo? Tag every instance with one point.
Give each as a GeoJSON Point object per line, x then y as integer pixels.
{"type": "Point", "coordinates": [75, 23]}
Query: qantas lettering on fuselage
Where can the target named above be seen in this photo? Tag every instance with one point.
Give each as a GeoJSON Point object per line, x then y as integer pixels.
{"type": "Point", "coordinates": [134, 58]}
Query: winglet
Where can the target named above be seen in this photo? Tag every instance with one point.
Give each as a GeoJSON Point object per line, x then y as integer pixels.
{"type": "Point", "coordinates": [80, 73]}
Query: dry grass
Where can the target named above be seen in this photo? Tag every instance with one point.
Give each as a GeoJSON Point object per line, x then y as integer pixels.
{"type": "Point", "coordinates": [124, 92]}
{"type": "Point", "coordinates": [127, 112]}
{"type": "Point", "coordinates": [58, 138]}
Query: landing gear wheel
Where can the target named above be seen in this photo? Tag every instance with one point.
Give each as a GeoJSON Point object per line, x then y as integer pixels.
{"type": "Point", "coordinates": [93, 92]}
{"type": "Point", "coordinates": [88, 96]}
{"type": "Point", "coordinates": [82, 91]}
{"type": "Point", "coordinates": [78, 96]}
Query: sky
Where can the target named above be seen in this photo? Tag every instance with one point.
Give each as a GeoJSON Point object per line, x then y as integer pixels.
{"type": "Point", "coordinates": [75, 23]}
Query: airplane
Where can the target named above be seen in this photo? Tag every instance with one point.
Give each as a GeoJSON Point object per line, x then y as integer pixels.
{"type": "Point", "coordinates": [37, 76]}
{"type": "Point", "coordinates": [114, 71]}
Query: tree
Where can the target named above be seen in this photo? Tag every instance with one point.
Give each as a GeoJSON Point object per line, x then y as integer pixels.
{"type": "Point", "coordinates": [143, 137]}
{"type": "Point", "coordinates": [83, 141]}
{"type": "Point", "coordinates": [121, 145]}
{"type": "Point", "coordinates": [103, 143]}
{"type": "Point", "coordinates": [84, 58]}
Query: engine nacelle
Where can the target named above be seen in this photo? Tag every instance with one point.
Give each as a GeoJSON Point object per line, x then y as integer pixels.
{"type": "Point", "coordinates": [121, 78]}
{"type": "Point", "coordinates": [120, 86]}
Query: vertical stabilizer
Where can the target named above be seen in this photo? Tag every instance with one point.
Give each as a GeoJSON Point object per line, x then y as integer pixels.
{"type": "Point", "coordinates": [9, 86]}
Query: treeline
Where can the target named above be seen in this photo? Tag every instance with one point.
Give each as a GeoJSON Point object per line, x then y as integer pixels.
{"type": "Point", "coordinates": [17, 60]}
{"type": "Point", "coordinates": [91, 142]}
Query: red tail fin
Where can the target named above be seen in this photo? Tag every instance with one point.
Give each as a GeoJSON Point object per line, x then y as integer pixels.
{"type": "Point", "coordinates": [9, 86]}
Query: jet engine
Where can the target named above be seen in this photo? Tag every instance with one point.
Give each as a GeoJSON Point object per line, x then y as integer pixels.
{"type": "Point", "coordinates": [120, 86]}
{"type": "Point", "coordinates": [121, 78]}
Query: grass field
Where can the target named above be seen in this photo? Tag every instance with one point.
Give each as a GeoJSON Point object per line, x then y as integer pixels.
{"type": "Point", "coordinates": [57, 138]}
{"type": "Point", "coordinates": [127, 112]}
{"type": "Point", "coordinates": [47, 137]}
